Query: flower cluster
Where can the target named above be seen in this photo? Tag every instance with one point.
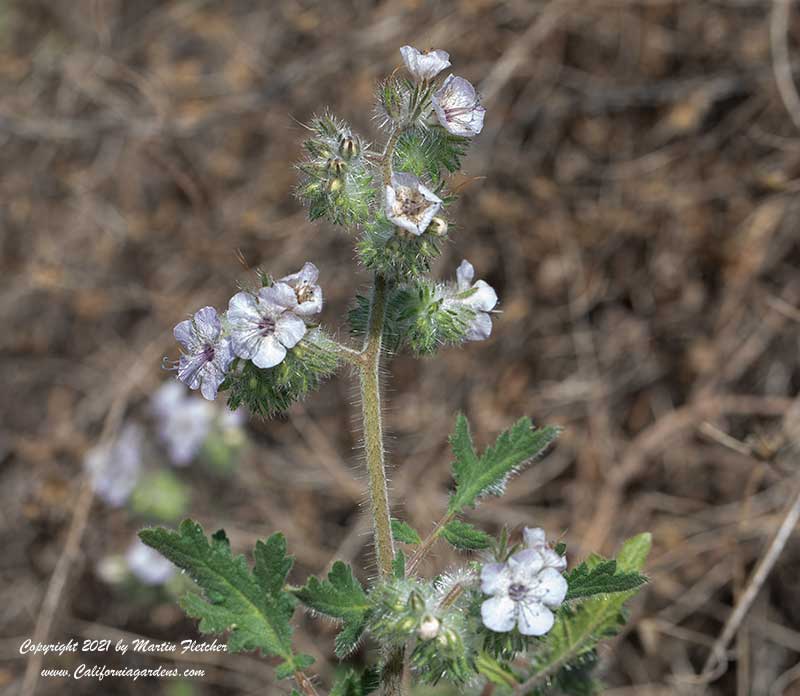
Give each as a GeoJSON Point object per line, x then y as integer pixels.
{"type": "Point", "coordinates": [525, 589]}
{"type": "Point", "coordinates": [259, 326]}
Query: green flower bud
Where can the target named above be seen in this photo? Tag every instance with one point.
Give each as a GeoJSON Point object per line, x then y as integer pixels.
{"type": "Point", "coordinates": [348, 147]}
{"type": "Point", "coordinates": [416, 603]}
{"type": "Point", "coordinates": [407, 625]}
{"type": "Point", "coordinates": [438, 226]}
{"type": "Point", "coordinates": [335, 166]}
{"type": "Point", "coordinates": [334, 185]}
{"type": "Point", "coordinates": [449, 639]}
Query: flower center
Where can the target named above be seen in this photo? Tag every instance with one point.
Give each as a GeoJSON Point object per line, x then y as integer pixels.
{"type": "Point", "coordinates": [413, 204]}
{"type": "Point", "coordinates": [454, 112]}
{"type": "Point", "coordinates": [266, 326]}
{"type": "Point", "coordinates": [208, 352]}
{"type": "Point", "coordinates": [304, 293]}
{"type": "Point", "coordinates": [517, 591]}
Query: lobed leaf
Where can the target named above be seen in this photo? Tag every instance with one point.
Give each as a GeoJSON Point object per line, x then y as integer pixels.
{"type": "Point", "coordinates": [476, 476]}
{"type": "Point", "coordinates": [251, 606]}
{"type": "Point", "coordinates": [465, 537]}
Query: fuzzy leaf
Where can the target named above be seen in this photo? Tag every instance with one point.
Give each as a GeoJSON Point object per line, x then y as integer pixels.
{"type": "Point", "coordinates": [405, 533]}
{"type": "Point", "coordinates": [477, 477]}
{"type": "Point", "coordinates": [603, 578]}
{"type": "Point", "coordinates": [464, 536]}
{"type": "Point", "coordinates": [251, 606]}
{"type": "Point", "coordinates": [579, 628]}
{"type": "Point", "coordinates": [495, 671]}
{"type": "Point", "coordinates": [341, 596]}
{"type": "Point", "coordinates": [354, 684]}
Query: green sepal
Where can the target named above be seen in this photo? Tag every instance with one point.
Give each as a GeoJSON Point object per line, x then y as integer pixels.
{"type": "Point", "coordinates": [496, 672]}
{"type": "Point", "coordinates": [251, 606]}
{"type": "Point", "coordinates": [465, 537]}
{"type": "Point", "coordinates": [430, 153]}
{"type": "Point", "coordinates": [269, 392]}
{"type": "Point", "coordinates": [353, 683]}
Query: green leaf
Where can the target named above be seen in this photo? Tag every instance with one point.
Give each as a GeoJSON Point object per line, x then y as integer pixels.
{"type": "Point", "coordinates": [251, 606]}
{"type": "Point", "coordinates": [466, 537]}
{"type": "Point", "coordinates": [476, 476]}
{"type": "Point", "coordinates": [353, 683]}
{"type": "Point", "coordinates": [632, 555]}
{"type": "Point", "coordinates": [495, 671]}
{"type": "Point", "coordinates": [603, 578]}
{"type": "Point", "coordinates": [405, 533]}
{"type": "Point", "coordinates": [579, 628]}
{"type": "Point", "coordinates": [342, 597]}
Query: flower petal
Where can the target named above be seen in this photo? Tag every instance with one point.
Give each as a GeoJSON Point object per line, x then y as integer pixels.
{"type": "Point", "coordinates": [184, 334]}
{"type": "Point", "coordinates": [312, 306]}
{"type": "Point", "coordinates": [207, 324]}
{"type": "Point", "coordinates": [480, 328]}
{"type": "Point", "coordinates": [495, 578]}
{"type": "Point", "coordinates": [534, 619]}
{"type": "Point", "coordinates": [534, 537]}
{"type": "Point", "coordinates": [499, 614]}
{"type": "Point", "coordinates": [484, 298]}
{"type": "Point", "coordinates": [524, 566]}
{"type": "Point", "coordinates": [270, 352]}
{"type": "Point", "coordinates": [552, 588]}
{"type": "Point", "coordinates": [309, 273]}
{"type": "Point", "coordinates": [289, 329]}
{"type": "Point", "coordinates": [464, 275]}
{"type": "Point", "coordinates": [279, 295]}
{"type": "Point", "coordinates": [243, 306]}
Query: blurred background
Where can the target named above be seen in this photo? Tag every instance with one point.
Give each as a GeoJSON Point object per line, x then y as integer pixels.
{"type": "Point", "coordinates": [632, 198]}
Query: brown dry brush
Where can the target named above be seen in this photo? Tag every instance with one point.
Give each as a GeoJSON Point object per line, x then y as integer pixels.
{"type": "Point", "coordinates": [638, 215]}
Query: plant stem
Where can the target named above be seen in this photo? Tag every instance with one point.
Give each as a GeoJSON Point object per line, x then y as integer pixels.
{"type": "Point", "coordinates": [373, 429]}
{"type": "Point", "coordinates": [428, 542]}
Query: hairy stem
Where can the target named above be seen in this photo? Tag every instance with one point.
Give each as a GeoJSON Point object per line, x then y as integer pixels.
{"type": "Point", "coordinates": [373, 429]}
{"type": "Point", "coordinates": [428, 542]}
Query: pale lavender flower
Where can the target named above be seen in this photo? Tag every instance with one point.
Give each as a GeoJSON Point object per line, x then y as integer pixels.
{"type": "Point", "coordinates": [183, 422]}
{"type": "Point", "coordinates": [147, 564]}
{"type": "Point", "coordinates": [115, 467]}
{"type": "Point", "coordinates": [479, 297]}
{"type": "Point", "coordinates": [409, 204]}
{"type": "Point", "coordinates": [458, 107]}
{"type": "Point", "coordinates": [263, 326]}
{"type": "Point", "coordinates": [424, 65]}
{"type": "Point", "coordinates": [207, 354]}
{"type": "Point", "coordinates": [306, 290]}
{"type": "Point", "coordinates": [524, 592]}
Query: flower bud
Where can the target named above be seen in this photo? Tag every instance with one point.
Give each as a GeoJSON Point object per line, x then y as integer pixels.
{"type": "Point", "coordinates": [416, 602]}
{"type": "Point", "coordinates": [348, 147]}
{"type": "Point", "coordinates": [438, 226]}
{"type": "Point", "coordinates": [335, 166]}
{"type": "Point", "coordinates": [407, 624]}
{"type": "Point", "coordinates": [334, 185]}
{"type": "Point", "coordinates": [448, 638]}
{"type": "Point", "coordinates": [429, 628]}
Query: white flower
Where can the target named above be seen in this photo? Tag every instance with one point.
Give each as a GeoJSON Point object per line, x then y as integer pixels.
{"type": "Point", "coordinates": [115, 467]}
{"type": "Point", "coordinates": [409, 204]}
{"type": "Point", "coordinates": [263, 326]}
{"type": "Point", "coordinates": [457, 105]}
{"type": "Point", "coordinates": [479, 297]}
{"type": "Point", "coordinates": [524, 591]}
{"type": "Point", "coordinates": [147, 564]}
{"type": "Point", "coordinates": [424, 65]}
{"type": "Point", "coordinates": [183, 422]}
{"type": "Point", "coordinates": [306, 290]}
{"type": "Point", "coordinates": [207, 353]}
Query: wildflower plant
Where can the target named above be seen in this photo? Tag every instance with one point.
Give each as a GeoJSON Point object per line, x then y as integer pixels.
{"type": "Point", "coordinates": [511, 618]}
